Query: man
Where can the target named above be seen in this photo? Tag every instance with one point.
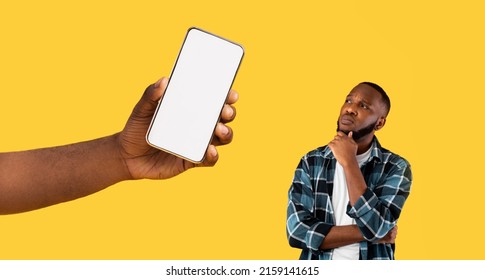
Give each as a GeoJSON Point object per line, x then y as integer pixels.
{"type": "Point", "coordinates": [346, 197]}
{"type": "Point", "coordinates": [38, 178]}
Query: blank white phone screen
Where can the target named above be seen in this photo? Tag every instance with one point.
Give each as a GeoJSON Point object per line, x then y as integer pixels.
{"type": "Point", "coordinates": [195, 95]}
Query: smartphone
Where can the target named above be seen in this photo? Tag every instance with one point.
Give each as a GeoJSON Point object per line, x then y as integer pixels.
{"type": "Point", "coordinates": [199, 84]}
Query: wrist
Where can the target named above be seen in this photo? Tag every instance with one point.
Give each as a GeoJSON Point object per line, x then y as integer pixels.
{"type": "Point", "coordinates": [350, 163]}
{"type": "Point", "coordinates": [120, 158]}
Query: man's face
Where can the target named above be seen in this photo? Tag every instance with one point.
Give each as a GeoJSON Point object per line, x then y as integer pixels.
{"type": "Point", "coordinates": [362, 112]}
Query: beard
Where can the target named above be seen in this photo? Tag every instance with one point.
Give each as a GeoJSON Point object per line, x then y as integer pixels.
{"type": "Point", "coordinates": [357, 135]}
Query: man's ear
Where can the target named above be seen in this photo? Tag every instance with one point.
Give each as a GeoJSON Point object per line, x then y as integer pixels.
{"type": "Point", "coordinates": [380, 123]}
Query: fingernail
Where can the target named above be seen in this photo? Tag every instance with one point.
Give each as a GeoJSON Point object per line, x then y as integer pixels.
{"type": "Point", "coordinates": [157, 84]}
{"type": "Point", "coordinates": [224, 129]}
{"type": "Point", "coordinates": [212, 151]}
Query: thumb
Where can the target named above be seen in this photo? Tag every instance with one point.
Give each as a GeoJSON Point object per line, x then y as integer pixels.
{"type": "Point", "coordinates": [156, 91]}
{"type": "Point", "coordinates": [351, 133]}
{"type": "Point", "coordinates": [149, 101]}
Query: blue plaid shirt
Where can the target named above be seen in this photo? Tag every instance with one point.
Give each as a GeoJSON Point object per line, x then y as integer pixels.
{"type": "Point", "coordinates": [310, 214]}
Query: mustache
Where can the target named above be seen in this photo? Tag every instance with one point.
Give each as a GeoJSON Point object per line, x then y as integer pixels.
{"type": "Point", "coordinates": [358, 134]}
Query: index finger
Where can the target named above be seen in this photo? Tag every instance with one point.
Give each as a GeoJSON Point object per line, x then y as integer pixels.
{"type": "Point", "coordinates": [233, 97]}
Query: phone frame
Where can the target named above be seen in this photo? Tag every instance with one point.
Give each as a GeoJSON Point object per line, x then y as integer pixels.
{"type": "Point", "coordinates": [206, 145]}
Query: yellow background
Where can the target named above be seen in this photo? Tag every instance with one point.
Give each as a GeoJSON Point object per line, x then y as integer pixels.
{"type": "Point", "coordinates": [72, 71]}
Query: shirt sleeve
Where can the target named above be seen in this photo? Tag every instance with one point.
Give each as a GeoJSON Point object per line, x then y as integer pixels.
{"type": "Point", "coordinates": [303, 229]}
{"type": "Point", "coordinates": [376, 212]}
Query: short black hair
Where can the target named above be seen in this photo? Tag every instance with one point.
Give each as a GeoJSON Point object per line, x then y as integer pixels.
{"type": "Point", "coordinates": [385, 97]}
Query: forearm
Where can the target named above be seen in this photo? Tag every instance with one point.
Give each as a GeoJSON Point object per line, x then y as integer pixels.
{"type": "Point", "coordinates": [356, 185]}
{"type": "Point", "coordinates": [339, 236]}
{"type": "Point", "coordinates": [373, 224]}
{"type": "Point", "coordinates": [38, 178]}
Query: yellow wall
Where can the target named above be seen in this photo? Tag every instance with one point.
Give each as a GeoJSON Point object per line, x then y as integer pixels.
{"type": "Point", "coordinates": [72, 71]}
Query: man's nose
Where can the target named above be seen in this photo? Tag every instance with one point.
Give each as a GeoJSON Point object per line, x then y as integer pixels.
{"type": "Point", "coordinates": [351, 109]}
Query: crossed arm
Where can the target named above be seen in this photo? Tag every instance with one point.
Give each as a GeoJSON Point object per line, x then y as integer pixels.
{"type": "Point", "coordinates": [339, 236]}
{"type": "Point", "coordinates": [306, 230]}
{"type": "Point", "coordinates": [38, 178]}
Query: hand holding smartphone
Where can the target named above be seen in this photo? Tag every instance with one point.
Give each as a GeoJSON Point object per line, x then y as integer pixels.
{"type": "Point", "coordinates": [189, 110]}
